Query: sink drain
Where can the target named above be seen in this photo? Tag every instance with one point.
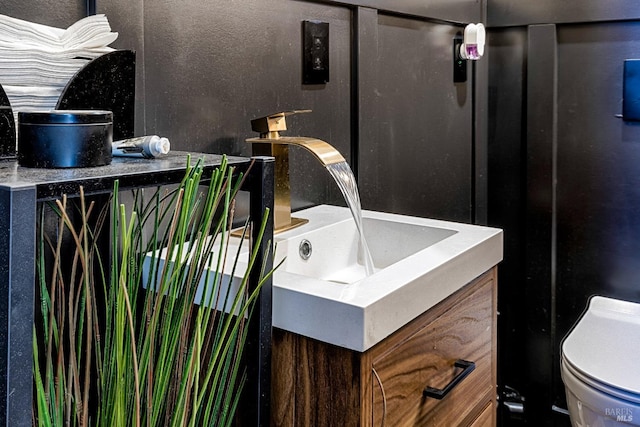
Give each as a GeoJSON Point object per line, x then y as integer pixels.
{"type": "Point", "coordinates": [305, 249]}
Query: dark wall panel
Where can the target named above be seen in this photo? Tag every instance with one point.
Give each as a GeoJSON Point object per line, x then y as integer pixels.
{"type": "Point", "coordinates": [506, 52]}
{"type": "Point", "coordinates": [583, 183]}
{"type": "Point", "coordinates": [205, 70]}
{"type": "Point", "coordinates": [539, 236]}
{"type": "Point", "coordinates": [514, 13]}
{"type": "Point", "coordinates": [598, 170]}
{"type": "Point", "coordinates": [212, 67]}
{"type": "Point", "coordinates": [127, 19]}
{"type": "Point", "coordinates": [421, 162]}
{"type": "Point", "coordinates": [61, 15]}
{"type": "Point", "coordinates": [600, 199]}
{"type": "Point", "coordinates": [462, 11]}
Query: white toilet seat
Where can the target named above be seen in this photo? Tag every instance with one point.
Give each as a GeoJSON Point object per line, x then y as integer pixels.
{"type": "Point", "coordinates": [600, 364]}
{"type": "Point", "coordinates": [605, 344]}
{"type": "Point", "coordinates": [631, 398]}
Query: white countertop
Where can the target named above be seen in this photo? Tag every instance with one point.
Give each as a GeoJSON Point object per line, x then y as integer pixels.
{"type": "Point", "coordinates": [361, 314]}
{"type": "Point", "coordinates": [414, 273]}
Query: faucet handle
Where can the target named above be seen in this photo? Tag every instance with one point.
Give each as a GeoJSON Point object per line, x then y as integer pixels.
{"type": "Point", "coordinates": [273, 123]}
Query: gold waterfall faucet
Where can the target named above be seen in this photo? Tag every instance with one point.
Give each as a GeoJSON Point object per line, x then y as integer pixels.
{"type": "Point", "coordinates": [270, 143]}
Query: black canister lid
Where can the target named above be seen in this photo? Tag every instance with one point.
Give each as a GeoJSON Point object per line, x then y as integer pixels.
{"type": "Point", "coordinates": [65, 117]}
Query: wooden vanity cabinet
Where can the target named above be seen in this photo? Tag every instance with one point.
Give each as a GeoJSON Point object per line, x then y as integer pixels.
{"type": "Point", "coordinates": [319, 384]}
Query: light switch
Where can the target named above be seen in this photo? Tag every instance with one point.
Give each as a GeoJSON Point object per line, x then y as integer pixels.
{"type": "Point", "coordinates": [315, 65]}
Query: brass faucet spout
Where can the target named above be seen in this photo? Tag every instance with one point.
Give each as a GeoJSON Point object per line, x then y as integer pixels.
{"type": "Point", "coordinates": [272, 144]}
{"type": "Point", "coordinates": [323, 151]}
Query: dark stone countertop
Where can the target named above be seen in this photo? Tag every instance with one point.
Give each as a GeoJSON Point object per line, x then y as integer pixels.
{"type": "Point", "coordinates": [130, 171]}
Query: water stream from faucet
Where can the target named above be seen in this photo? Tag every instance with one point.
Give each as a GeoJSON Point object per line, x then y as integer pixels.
{"type": "Point", "coordinates": [342, 174]}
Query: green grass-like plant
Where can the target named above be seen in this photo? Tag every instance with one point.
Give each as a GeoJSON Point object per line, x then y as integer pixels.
{"type": "Point", "coordinates": [114, 346]}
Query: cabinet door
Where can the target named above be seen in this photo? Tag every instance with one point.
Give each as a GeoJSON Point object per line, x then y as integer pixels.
{"type": "Point", "coordinates": [462, 330]}
{"type": "Point", "coordinates": [486, 418]}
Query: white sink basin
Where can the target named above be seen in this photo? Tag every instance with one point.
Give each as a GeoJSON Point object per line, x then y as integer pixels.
{"type": "Point", "coordinates": [333, 252]}
{"type": "Point", "coordinates": [419, 263]}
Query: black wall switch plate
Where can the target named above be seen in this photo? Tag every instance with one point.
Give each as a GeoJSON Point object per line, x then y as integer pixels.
{"type": "Point", "coordinates": [459, 64]}
{"type": "Point", "coordinates": [315, 56]}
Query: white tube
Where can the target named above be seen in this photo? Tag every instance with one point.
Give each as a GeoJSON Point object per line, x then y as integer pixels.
{"type": "Point", "coordinates": [149, 146]}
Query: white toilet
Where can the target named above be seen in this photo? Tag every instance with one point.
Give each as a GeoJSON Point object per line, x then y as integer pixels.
{"type": "Point", "coordinates": [601, 365]}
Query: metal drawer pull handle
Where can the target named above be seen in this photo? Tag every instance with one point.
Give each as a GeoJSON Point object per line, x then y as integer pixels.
{"type": "Point", "coordinates": [441, 393]}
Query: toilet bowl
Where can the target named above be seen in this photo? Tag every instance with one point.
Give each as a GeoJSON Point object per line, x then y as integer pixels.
{"type": "Point", "coordinates": [600, 365]}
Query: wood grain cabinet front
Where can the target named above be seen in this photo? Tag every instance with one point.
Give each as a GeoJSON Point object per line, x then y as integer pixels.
{"type": "Point", "coordinates": [427, 358]}
{"type": "Point", "coordinates": [450, 351]}
{"type": "Point", "coordinates": [487, 418]}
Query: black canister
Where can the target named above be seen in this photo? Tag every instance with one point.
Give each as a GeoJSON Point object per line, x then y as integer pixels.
{"type": "Point", "coordinates": [65, 138]}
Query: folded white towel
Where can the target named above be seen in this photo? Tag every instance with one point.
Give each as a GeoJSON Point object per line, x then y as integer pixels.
{"type": "Point", "coordinates": [37, 61]}
{"type": "Point", "coordinates": [90, 32]}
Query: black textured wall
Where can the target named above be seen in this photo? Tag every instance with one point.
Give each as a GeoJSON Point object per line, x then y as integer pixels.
{"type": "Point", "coordinates": [205, 69]}
{"type": "Point", "coordinates": [563, 180]}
